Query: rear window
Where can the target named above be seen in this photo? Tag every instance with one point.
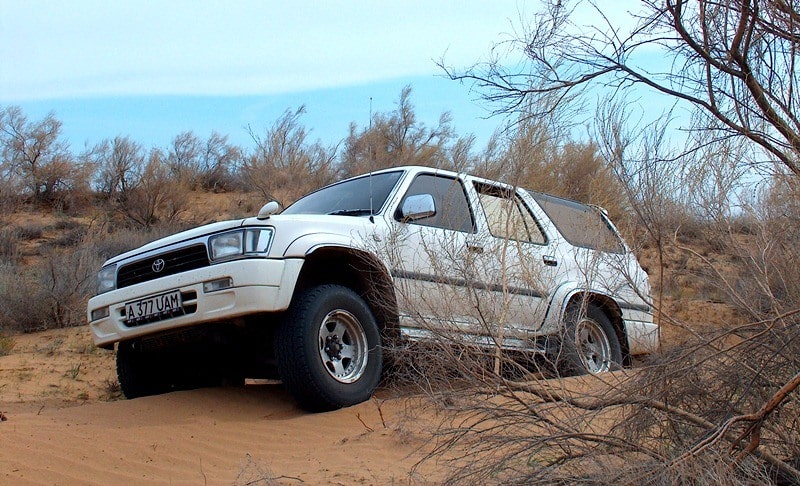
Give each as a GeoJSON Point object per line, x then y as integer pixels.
{"type": "Point", "coordinates": [581, 225]}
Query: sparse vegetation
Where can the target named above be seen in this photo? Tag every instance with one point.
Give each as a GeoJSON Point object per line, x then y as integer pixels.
{"type": "Point", "coordinates": [111, 390]}
{"type": "Point", "coordinates": [255, 472]}
{"type": "Point", "coordinates": [9, 245]}
{"type": "Point", "coordinates": [74, 371]}
{"type": "Point", "coordinates": [6, 344]}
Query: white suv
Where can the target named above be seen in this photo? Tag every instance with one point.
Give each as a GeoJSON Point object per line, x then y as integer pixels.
{"type": "Point", "coordinates": [310, 295]}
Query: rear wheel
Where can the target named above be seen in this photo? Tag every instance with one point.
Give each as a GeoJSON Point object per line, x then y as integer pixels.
{"type": "Point", "coordinates": [328, 348]}
{"type": "Point", "coordinates": [590, 344]}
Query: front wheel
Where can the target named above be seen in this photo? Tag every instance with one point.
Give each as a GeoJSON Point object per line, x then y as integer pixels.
{"type": "Point", "coordinates": [151, 372]}
{"type": "Point", "coordinates": [140, 374]}
{"type": "Point", "coordinates": [328, 348]}
{"type": "Point", "coordinates": [590, 344]}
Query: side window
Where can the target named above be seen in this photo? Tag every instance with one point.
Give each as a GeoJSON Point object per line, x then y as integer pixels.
{"type": "Point", "coordinates": [452, 208]}
{"type": "Point", "coordinates": [508, 216]}
{"type": "Point", "coordinates": [579, 224]}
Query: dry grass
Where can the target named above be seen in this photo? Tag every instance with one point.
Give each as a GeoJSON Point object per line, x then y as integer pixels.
{"type": "Point", "coordinates": [6, 344]}
{"type": "Point", "coordinates": [60, 365]}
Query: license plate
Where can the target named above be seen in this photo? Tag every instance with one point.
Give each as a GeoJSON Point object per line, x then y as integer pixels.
{"type": "Point", "coordinates": [154, 308]}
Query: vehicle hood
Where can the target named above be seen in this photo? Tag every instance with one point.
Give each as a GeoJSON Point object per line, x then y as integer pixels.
{"type": "Point", "coordinates": [288, 229]}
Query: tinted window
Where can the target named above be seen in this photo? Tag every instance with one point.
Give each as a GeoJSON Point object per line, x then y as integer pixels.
{"type": "Point", "coordinates": [353, 196]}
{"type": "Point", "coordinates": [507, 215]}
{"type": "Point", "coordinates": [580, 225]}
{"type": "Point", "coordinates": [452, 208]}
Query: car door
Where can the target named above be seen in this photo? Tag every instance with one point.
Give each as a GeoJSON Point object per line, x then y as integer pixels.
{"type": "Point", "coordinates": [519, 264]}
{"type": "Point", "coordinates": [432, 255]}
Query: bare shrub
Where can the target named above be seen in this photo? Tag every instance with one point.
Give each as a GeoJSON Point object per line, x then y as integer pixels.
{"type": "Point", "coordinates": [22, 305]}
{"type": "Point", "coordinates": [67, 224]}
{"type": "Point", "coordinates": [111, 390]}
{"type": "Point", "coordinates": [398, 138]}
{"type": "Point", "coordinates": [720, 407]}
{"type": "Point", "coordinates": [545, 159]}
{"type": "Point", "coordinates": [684, 418]}
{"type": "Point", "coordinates": [203, 164]}
{"type": "Point", "coordinates": [70, 238]}
{"type": "Point", "coordinates": [32, 231]}
{"type": "Point", "coordinates": [111, 241]}
{"type": "Point", "coordinates": [139, 187]}
{"type": "Point", "coordinates": [155, 196]}
{"type": "Point", "coordinates": [10, 194]}
{"type": "Point", "coordinates": [9, 247]}
{"type": "Point", "coordinates": [51, 293]}
{"type": "Point", "coordinates": [285, 165]}
{"type": "Point", "coordinates": [256, 473]}
{"type": "Point", "coordinates": [69, 232]}
{"type": "Point", "coordinates": [36, 162]}
{"type": "Point", "coordinates": [764, 284]}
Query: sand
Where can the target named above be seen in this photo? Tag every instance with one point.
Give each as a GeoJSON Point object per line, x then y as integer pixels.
{"type": "Point", "coordinates": [63, 421]}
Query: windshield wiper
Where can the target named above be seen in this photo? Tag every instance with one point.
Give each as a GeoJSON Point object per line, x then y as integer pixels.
{"type": "Point", "coordinates": [350, 212]}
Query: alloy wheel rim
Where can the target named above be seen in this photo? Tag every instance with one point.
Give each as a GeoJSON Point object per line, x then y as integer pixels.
{"type": "Point", "coordinates": [343, 346]}
{"type": "Point", "coordinates": [594, 347]}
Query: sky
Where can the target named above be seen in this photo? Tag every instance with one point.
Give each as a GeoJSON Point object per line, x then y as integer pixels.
{"type": "Point", "coordinates": [153, 69]}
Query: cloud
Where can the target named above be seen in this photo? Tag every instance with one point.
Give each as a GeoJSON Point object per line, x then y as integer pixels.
{"type": "Point", "coordinates": [89, 48]}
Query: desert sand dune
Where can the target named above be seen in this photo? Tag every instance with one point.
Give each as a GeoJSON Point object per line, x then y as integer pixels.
{"type": "Point", "coordinates": [65, 425]}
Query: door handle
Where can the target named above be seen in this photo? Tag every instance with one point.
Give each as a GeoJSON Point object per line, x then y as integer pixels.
{"type": "Point", "coordinates": [550, 260]}
{"type": "Point", "coordinates": [475, 248]}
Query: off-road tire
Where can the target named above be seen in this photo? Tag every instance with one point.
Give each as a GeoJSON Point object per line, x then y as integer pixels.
{"type": "Point", "coordinates": [322, 369]}
{"type": "Point", "coordinates": [589, 343]}
{"type": "Point", "coordinates": [152, 372]}
{"type": "Point", "coordinates": [140, 373]}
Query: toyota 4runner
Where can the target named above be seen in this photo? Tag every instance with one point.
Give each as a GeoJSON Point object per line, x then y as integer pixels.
{"type": "Point", "coordinates": [311, 295]}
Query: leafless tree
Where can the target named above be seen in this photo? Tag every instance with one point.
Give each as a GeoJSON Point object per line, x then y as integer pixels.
{"type": "Point", "coordinates": [285, 164]}
{"type": "Point", "coordinates": [36, 162]}
{"type": "Point", "coordinates": [398, 138]}
{"type": "Point", "coordinates": [117, 163]}
{"type": "Point", "coordinates": [722, 406]}
{"type": "Point", "coordinates": [156, 197]}
{"type": "Point", "coordinates": [205, 164]}
{"type": "Point", "coordinates": [137, 185]}
{"type": "Point", "coordinates": [735, 61]}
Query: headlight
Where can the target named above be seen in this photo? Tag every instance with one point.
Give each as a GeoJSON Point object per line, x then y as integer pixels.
{"type": "Point", "coordinates": [252, 241]}
{"type": "Point", "coordinates": [106, 279]}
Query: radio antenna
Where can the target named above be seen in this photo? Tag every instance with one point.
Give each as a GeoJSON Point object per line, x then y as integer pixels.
{"type": "Point", "coordinates": [369, 149]}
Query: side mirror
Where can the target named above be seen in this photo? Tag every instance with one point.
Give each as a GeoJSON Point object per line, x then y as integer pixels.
{"type": "Point", "coordinates": [417, 207]}
{"type": "Point", "coordinates": [269, 209]}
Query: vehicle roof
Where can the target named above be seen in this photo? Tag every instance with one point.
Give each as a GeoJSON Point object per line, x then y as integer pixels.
{"type": "Point", "coordinates": [422, 168]}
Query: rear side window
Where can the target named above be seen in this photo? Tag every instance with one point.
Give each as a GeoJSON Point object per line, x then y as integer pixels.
{"type": "Point", "coordinates": [507, 215]}
{"type": "Point", "coordinates": [452, 208]}
{"type": "Point", "coordinates": [581, 225]}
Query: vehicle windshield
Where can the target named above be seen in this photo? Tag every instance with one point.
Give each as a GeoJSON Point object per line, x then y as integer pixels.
{"type": "Point", "coordinates": [355, 197]}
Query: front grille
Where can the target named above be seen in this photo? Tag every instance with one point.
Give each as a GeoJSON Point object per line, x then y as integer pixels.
{"type": "Point", "coordinates": [176, 261]}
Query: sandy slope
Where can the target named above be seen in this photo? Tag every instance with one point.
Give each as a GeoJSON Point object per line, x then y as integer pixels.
{"type": "Point", "coordinates": [65, 424]}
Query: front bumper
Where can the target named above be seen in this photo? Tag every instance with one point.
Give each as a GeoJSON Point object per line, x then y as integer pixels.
{"type": "Point", "coordinates": [259, 285]}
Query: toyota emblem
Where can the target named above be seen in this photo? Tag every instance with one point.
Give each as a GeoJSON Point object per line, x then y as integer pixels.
{"type": "Point", "coordinates": [158, 265]}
